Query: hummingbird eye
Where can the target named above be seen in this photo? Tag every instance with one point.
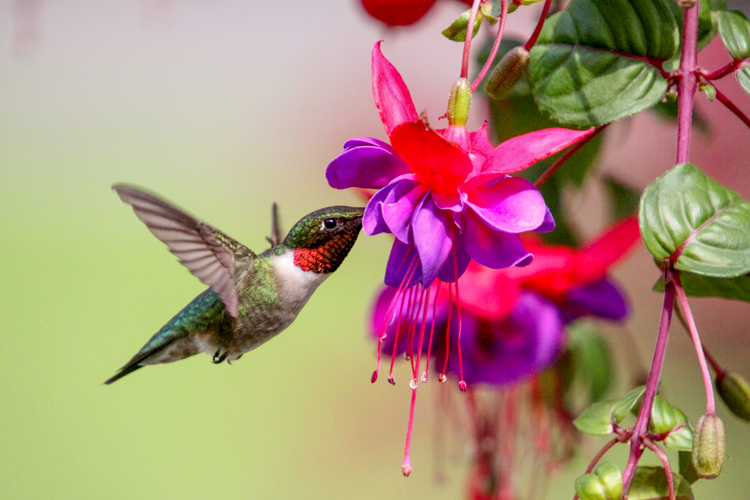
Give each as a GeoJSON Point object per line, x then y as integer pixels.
{"type": "Point", "coordinates": [330, 224]}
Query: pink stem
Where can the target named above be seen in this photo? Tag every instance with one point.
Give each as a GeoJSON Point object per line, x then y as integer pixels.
{"type": "Point", "coordinates": [688, 82]}
{"type": "Point", "coordinates": [531, 41]}
{"type": "Point", "coordinates": [641, 424]}
{"type": "Point", "coordinates": [722, 72]}
{"type": "Point", "coordinates": [665, 462]}
{"type": "Point", "coordinates": [570, 152]}
{"type": "Point", "coordinates": [710, 404]}
{"type": "Point", "coordinates": [495, 46]}
{"type": "Point", "coordinates": [732, 107]}
{"type": "Point", "coordinates": [467, 40]}
{"type": "Point", "coordinates": [711, 360]}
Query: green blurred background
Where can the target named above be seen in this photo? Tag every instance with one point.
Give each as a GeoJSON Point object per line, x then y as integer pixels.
{"type": "Point", "coordinates": [224, 107]}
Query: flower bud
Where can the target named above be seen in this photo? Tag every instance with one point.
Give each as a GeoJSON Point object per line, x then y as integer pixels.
{"type": "Point", "coordinates": [735, 392]}
{"type": "Point", "coordinates": [686, 4]}
{"type": "Point", "coordinates": [611, 478]}
{"type": "Point", "coordinates": [507, 72]}
{"type": "Point", "coordinates": [459, 103]}
{"type": "Point", "coordinates": [708, 446]}
{"type": "Point", "coordinates": [605, 483]}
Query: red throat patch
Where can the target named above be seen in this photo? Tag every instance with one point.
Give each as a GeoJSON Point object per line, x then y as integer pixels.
{"type": "Point", "coordinates": [324, 259]}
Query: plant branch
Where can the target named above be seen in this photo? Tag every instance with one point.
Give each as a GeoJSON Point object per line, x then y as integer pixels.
{"type": "Point", "coordinates": [467, 40]}
{"type": "Point", "coordinates": [688, 82]}
{"type": "Point", "coordinates": [710, 403]}
{"type": "Point", "coordinates": [665, 462]}
{"type": "Point", "coordinates": [722, 72]}
{"type": "Point", "coordinates": [732, 107]}
{"type": "Point", "coordinates": [711, 360]}
{"type": "Point", "coordinates": [495, 46]}
{"type": "Point", "coordinates": [545, 11]}
{"type": "Point", "coordinates": [641, 424]}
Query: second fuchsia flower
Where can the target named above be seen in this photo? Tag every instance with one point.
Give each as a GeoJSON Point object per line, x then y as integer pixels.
{"type": "Point", "coordinates": [444, 194]}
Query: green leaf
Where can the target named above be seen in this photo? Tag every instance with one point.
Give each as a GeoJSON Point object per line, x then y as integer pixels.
{"type": "Point", "coordinates": [743, 76]}
{"type": "Point", "coordinates": [666, 418]}
{"type": "Point", "coordinates": [627, 403]}
{"type": "Point", "coordinates": [687, 470]}
{"type": "Point", "coordinates": [695, 285]}
{"type": "Point", "coordinates": [588, 67]}
{"type": "Point", "coordinates": [650, 483]}
{"type": "Point", "coordinates": [457, 30]}
{"type": "Point", "coordinates": [591, 358]}
{"type": "Point", "coordinates": [709, 223]}
{"type": "Point", "coordinates": [623, 198]}
{"type": "Point", "coordinates": [596, 419]}
{"type": "Point", "coordinates": [734, 29]}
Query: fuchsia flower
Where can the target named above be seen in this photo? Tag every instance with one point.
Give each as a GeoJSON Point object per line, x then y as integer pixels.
{"type": "Point", "coordinates": [444, 194]}
{"type": "Point", "coordinates": [513, 320]}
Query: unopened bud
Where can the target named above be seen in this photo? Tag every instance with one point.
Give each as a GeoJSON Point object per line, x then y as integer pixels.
{"type": "Point", "coordinates": [686, 4]}
{"type": "Point", "coordinates": [588, 487]}
{"type": "Point", "coordinates": [507, 72]}
{"type": "Point", "coordinates": [459, 103]}
{"type": "Point", "coordinates": [735, 392]}
{"type": "Point", "coordinates": [611, 478]}
{"type": "Point", "coordinates": [709, 446]}
{"type": "Point", "coordinates": [605, 483]}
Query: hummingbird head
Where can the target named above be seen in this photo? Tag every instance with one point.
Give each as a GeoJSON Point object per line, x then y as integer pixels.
{"type": "Point", "coordinates": [321, 240]}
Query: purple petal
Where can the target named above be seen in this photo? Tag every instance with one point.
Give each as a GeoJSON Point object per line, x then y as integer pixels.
{"type": "Point", "coordinates": [433, 236]}
{"type": "Point", "coordinates": [368, 141]}
{"type": "Point", "coordinates": [372, 220]}
{"type": "Point", "coordinates": [365, 166]}
{"type": "Point", "coordinates": [506, 351]}
{"type": "Point", "coordinates": [399, 207]}
{"type": "Point", "coordinates": [451, 201]}
{"type": "Point", "coordinates": [399, 262]}
{"type": "Point", "coordinates": [511, 204]}
{"type": "Point", "coordinates": [601, 298]}
{"type": "Point", "coordinates": [447, 273]}
{"type": "Point", "coordinates": [548, 224]}
{"type": "Point", "coordinates": [490, 248]}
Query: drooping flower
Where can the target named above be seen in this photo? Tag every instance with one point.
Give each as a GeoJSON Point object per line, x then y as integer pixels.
{"type": "Point", "coordinates": [512, 320]}
{"type": "Point", "coordinates": [444, 194]}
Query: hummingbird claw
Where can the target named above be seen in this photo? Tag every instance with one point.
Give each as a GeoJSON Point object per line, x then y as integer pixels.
{"type": "Point", "coordinates": [218, 358]}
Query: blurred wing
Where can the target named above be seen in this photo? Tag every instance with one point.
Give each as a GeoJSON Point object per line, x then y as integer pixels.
{"type": "Point", "coordinates": [209, 254]}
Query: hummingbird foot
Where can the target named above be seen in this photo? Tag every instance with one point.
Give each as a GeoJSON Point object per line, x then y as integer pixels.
{"type": "Point", "coordinates": [218, 357]}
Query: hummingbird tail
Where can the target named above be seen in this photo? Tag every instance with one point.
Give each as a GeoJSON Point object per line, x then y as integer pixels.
{"type": "Point", "coordinates": [125, 370]}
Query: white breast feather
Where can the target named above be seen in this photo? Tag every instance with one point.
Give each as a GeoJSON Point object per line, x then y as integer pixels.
{"type": "Point", "coordinates": [297, 286]}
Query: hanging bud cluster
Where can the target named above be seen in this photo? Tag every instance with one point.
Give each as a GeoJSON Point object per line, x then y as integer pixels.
{"type": "Point", "coordinates": [709, 446]}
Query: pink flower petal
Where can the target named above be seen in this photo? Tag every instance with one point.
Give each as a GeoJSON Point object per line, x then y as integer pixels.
{"type": "Point", "coordinates": [488, 293]}
{"type": "Point", "coordinates": [594, 260]}
{"type": "Point", "coordinates": [523, 151]}
{"type": "Point", "coordinates": [511, 204]}
{"type": "Point", "coordinates": [392, 98]}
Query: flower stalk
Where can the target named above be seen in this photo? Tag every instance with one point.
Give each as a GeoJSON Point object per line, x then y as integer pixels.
{"type": "Point", "coordinates": [641, 425]}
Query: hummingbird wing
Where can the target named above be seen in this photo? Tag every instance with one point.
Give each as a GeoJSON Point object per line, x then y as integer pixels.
{"type": "Point", "coordinates": [210, 255]}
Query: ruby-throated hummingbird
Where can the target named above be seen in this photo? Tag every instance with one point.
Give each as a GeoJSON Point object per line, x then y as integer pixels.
{"type": "Point", "coordinates": [250, 298]}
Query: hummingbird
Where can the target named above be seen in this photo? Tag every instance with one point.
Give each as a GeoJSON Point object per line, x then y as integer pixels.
{"type": "Point", "coordinates": [250, 298]}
